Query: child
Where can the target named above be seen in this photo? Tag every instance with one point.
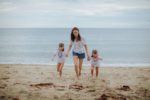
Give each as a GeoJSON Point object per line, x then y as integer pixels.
{"type": "Point", "coordinates": [95, 62]}
{"type": "Point", "coordinates": [60, 58]}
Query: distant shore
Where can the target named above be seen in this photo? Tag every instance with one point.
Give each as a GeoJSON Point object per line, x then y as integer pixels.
{"type": "Point", "coordinates": [41, 82]}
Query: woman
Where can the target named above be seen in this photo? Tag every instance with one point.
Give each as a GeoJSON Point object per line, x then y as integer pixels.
{"type": "Point", "coordinates": [79, 48]}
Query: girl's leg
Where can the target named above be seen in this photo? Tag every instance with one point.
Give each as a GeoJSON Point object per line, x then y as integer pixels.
{"type": "Point", "coordinates": [58, 66]}
{"type": "Point", "coordinates": [80, 66]}
{"type": "Point", "coordinates": [60, 69]}
{"type": "Point", "coordinates": [75, 59]}
{"type": "Point", "coordinates": [97, 71]}
{"type": "Point", "coordinates": [92, 70]}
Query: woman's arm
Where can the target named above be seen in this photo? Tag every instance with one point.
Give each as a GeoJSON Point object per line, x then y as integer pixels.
{"type": "Point", "coordinates": [69, 48]}
{"type": "Point", "coordinates": [87, 52]}
{"type": "Point", "coordinates": [86, 48]}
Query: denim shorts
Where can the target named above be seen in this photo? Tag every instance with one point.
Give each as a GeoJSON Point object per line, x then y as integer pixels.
{"type": "Point", "coordinates": [79, 55]}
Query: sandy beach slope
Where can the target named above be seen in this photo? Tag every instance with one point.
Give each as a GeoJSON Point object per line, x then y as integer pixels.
{"type": "Point", "coordinates": [41, 82]}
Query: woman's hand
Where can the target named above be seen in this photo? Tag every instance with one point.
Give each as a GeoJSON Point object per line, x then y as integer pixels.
{"type": "Point", "coordinates": [88, 57]}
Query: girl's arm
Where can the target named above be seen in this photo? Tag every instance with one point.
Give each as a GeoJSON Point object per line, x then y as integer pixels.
{"type": "Point", "coordinates": [99, 58]}
{"type": "Point", "coordinates": [69, 48]}
{"type": "Point", "coordinates": [87, 52]}
{"type": "Point", "coordinates": [54, 55]}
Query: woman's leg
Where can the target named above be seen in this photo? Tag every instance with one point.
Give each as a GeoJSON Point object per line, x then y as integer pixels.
{"type": "Point", "coordinates": [80, 66]}
{"type": "Point", "coordinates": [97, 71]}
{"type": "Point", "coordinates": [60, 69]}
{"type": "Point", "coordinates": [75, 59]}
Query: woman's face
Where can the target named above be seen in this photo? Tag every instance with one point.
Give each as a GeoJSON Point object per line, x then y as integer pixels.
{"type": "Point", "coordinates": [76, 33]}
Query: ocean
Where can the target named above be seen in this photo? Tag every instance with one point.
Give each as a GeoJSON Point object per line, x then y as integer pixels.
{"type": "Point", "coordinates": [117, 46]}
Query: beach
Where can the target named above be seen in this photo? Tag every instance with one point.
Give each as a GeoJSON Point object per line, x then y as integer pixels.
{"type": "Point", "coordinates": [42, 82]}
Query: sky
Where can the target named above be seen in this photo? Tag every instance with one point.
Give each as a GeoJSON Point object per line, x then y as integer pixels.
{"type": "Point", "coordinates": [69, 13]}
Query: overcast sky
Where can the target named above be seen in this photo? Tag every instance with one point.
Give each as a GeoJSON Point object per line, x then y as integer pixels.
{"type": "Point", "coordinates": [81, 13]}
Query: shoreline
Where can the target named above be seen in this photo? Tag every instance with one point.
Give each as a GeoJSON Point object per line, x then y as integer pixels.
{"type": "Point", "coordinates": [88, 65]}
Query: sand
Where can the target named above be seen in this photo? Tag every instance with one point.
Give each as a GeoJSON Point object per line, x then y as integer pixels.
{"type": "Point", "coordinates": [41, 82]}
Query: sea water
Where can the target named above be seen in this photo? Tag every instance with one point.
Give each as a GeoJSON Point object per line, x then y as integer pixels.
{"type": "Point", "coordinates": [117, 46]}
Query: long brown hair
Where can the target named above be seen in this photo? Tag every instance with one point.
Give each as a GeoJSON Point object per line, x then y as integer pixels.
{"type": "Point", "coordinates": [72, 35]}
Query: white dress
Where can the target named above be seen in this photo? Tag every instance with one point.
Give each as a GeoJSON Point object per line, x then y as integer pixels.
{"type": "Point", "coordinates": [78, 46]}
{"type": "Point", "coordinates": [60, 56]}
{"type": "Point", "coordinates": [95, 62]}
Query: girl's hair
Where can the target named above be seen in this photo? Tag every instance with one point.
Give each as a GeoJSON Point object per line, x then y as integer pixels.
{"type": "Point", "coordinates": [72, 35]}
{"type": "Point", "coordinates": [61, 45]}
{"type": "Point", "coordinates": [94, 52]}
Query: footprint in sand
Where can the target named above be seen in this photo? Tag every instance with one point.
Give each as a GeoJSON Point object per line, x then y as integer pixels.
{"type": "Point", "coordinates": [92, 90]}
{"type": "Point", "coordinates": [3, 86]}
{"type": "Point", "coordinates": [111, 97]}
{"type": "Point", "coordinates": [143, 78]}
{"type": "Point", "coordinates": [4, 78]}
{"type": "Point", "coordinates": [60, 89]}
{"type": "Point", "coordinates": [143, 92]}
{"type": "Point", "coordinates": [2, 97]}
{"type": "Point", "coordinates": [23, 92]}
{"type": "Point", "coordinates": [124, 88]}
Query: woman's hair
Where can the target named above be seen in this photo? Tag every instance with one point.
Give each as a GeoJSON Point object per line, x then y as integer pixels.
{"type": "Point", "coordinates": [61, 45]}
{"type": "Point", "coordinates": [72, 35]}
{"type": "Point", "coordinates": [94, 52]}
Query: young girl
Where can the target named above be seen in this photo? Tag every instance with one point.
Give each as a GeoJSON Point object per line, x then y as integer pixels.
{"type": "Point", "coordinates": [60, 58]}
{"type": "Point", "coordinates": [95, 62]}
{"type": "Point", "coordinates": [79, 47]}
